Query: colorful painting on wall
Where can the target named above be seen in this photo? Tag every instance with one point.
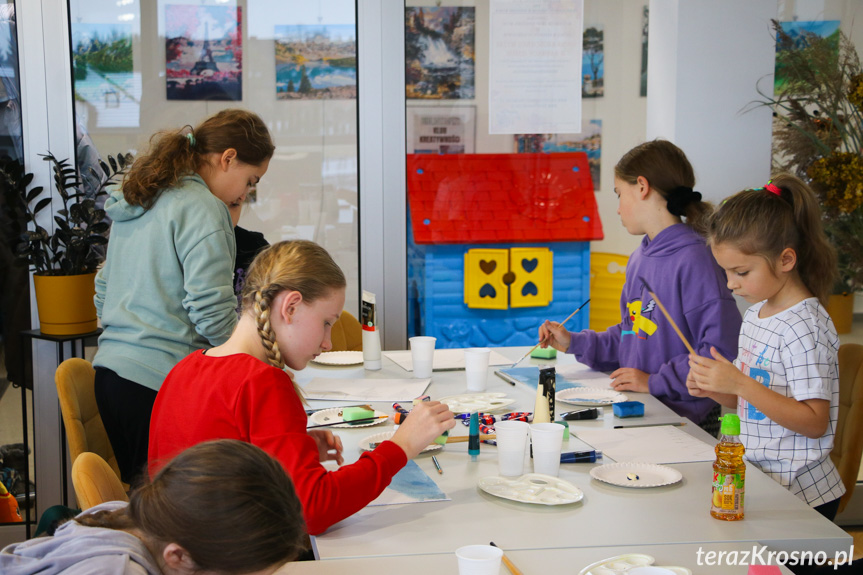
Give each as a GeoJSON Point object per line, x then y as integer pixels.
{"type": "Point", "coordinates": [589, 141]}
{"type": "Point", "coordinates": [102, 70]}
{"type": "Point", "coordinates": [441, 130]}
{"type": "Point", "coordinates": [798, 31]}
{"type": "Point", "coordinates": [592, 57]}
{"type": "Point", "coordinates": [203, 52]}
{"type": "Point", "coordinates": [316, 62]}
{"type": "Point", "coordinates": [644, 25]}
{"type": "Point", "coordinates": [439, 53]}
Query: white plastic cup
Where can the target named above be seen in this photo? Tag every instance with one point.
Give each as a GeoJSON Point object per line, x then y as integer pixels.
{"type": "Point", "coordinates": [479, 560]}
{"type": "Point", "coordinates": [422, 355]}
{"type": "Point", "coordinates": [476, 367]}
{"type": "Point", "coordinates": [547, 440]}
{"type": "Point", "coordinates": [511, 443]}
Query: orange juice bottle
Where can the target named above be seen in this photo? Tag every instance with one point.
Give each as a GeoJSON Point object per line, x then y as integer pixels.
{"type": "Point", "coordinates": [729, 472]}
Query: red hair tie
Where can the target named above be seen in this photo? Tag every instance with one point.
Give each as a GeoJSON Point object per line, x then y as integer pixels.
{"type": "Point", "coordinates": [773, 188]}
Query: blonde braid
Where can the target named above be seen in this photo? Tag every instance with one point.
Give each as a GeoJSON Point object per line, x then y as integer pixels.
{"type": "Point", "coordinates": [268, 337]}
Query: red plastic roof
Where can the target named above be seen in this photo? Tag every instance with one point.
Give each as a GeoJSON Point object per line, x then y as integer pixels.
{"type": "Point", "coordinates": [494, 198]}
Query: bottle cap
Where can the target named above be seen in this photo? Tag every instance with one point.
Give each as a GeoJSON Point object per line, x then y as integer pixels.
{"type": "Point", "coordinates": [730, 424]}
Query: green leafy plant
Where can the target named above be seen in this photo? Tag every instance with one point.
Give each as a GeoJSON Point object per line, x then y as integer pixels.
{"type": "Point", "coordinates": [818, 135]}
{"type": "Point", "coordinates": [73, 247]}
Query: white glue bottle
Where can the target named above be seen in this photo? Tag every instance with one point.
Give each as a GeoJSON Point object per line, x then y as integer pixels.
{"type": "Point", "coordinates": [371, 334]}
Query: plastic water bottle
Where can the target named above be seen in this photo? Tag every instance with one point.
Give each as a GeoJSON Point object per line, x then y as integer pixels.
{"type": "Point", "coordinates": [729, 471]}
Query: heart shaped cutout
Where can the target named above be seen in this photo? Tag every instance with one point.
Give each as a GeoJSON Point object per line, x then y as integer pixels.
{"type": "Point", "coordinates": [487, 267]}
{"type": "Point", "coordinates": [529, 265]}
{"type": "Point", "coordinates": [529, 289]}
{"type": "Point", "coordinates": [487, 291]}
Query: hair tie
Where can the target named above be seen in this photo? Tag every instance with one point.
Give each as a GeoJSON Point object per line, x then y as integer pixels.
{"type": "Point", "coordinates": [191, 137]}
{"type": "Point", "coordinates": [680, 197]}
{"type": "Point", "coordinates": [773, 188]}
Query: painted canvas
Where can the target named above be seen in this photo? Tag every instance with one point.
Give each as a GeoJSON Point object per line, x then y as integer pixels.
{"type": "Point", "coordinates": [316, 62]}
{"type": "Point", "coordinates": [592, 56]}
{"type": "Point", "coordinates": [644, 29]}
{"type": "Point", "coordinates": [103, 75]}
{"type": "Point", "coordinates": [589, 141]}
{"type": "Point", "coordinates": [439, 52]}
{"type": "Point", "coordinates": [798, 31]}
{"type": "Point", "coordinates": [203, 52]}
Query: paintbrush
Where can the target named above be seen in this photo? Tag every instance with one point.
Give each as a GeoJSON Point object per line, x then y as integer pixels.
{"type": "Point", "coordinates": [465, 438]}
{"type": "Point", "coordinates": [509, 564]}
{"type": "Point", "coordinates": [668, 317]}
{"type": "Point", "coordinates": [530, 351]}
{"type": "Point", "coordinates": [356, 421]}
{"type": "Point", "coordinates": [311, 411]}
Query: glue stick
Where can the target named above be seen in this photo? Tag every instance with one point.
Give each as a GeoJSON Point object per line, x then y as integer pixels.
{"type": "Point", "coordinates": [371, 334]}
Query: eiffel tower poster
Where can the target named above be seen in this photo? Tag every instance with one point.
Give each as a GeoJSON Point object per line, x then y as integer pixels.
{"type": "Point", "coordinates": [203, 52]}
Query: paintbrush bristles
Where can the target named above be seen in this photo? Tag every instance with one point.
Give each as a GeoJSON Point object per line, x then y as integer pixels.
{"type": "Point", "coordinates": [668, 317]}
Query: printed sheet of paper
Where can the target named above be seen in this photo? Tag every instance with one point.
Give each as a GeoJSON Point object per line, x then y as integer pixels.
{"type": "Point", "coordinates": [365, 389]}
{"type": "Point", "coordinates": [663, 444]}
{"type": "Point", "coordinates": [535, 79]}
{"type": "Point", "coordinates": [410, 485]}
{"type": "Point", "coordinates": [529, 376]}
{"type": "Point", "coordinates": [444, 359]}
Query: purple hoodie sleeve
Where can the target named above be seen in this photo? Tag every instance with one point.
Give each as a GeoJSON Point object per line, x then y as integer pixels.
{"type": "Point", "coordinates": [597, 350]}
{"type": "Point", "coordinates": [717, 324]}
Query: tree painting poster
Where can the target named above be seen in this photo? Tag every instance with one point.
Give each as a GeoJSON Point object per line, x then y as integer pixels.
{"type": "Point", "coordinates": [589, 141]}
{"type": "Point", "coordinates": [203, 52]}
{"type": "Point", "coordinates": [439, 52]}
{"type": "Point", "coordinates": [102, 69]}
{"type": "Point", "coordinates": [799, 33]}
{"type": "Point", "coordinates": [592, 63]}
{"type": "Point", "coordinates": [441, 130]}
{"type": "Point", "coordinates": [316, 62]}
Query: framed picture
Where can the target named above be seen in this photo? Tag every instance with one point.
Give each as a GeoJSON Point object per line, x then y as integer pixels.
{"type": "Point", "coordinates": [439, 52]}
{"type": "Point", "coordinates": [316, 62]}
{"type": "Point", "coordinates": [441, 130]}
{"type": "Point", "coordinates": [203, 52]}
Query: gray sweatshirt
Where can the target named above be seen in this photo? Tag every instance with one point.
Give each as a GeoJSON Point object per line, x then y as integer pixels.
{"type": "Point", "coordinates": [78, 550]}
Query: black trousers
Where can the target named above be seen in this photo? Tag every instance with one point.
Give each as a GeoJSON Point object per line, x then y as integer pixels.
{"type": "Point", "coordinates": [125, 407]}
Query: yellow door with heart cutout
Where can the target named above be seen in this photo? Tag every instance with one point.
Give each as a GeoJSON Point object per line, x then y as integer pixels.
{"type": "Point", "coordinates": [483, 278]}
{"type": "Point", "coordinates": [504, 278]}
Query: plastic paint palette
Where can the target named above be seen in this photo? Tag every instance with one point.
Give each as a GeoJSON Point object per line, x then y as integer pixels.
{"type": "Point", "coordinates": [631, 564]}
{"type": "Point", "coordinates": [532, 488]}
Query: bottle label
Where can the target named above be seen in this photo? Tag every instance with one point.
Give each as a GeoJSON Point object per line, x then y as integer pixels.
{"type": "Point", "coordinates": [727, 492]}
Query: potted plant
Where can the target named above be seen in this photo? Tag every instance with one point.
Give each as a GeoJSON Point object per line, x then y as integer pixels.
{"type": "Point", "coordinates": [63, 261]}
{"type": "Point", "coordinates": [818, 135]}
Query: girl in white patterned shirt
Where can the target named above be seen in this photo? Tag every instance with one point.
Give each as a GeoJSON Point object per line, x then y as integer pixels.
{"type": "Point", "coordinates": [785, 380]}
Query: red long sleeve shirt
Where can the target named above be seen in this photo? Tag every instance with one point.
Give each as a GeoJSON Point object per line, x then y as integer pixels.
{"type": "Point", "coordinates": [241, 397]}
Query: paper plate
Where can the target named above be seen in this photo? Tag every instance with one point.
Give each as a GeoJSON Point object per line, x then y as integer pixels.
{"type": "Point", "coordinates": [339, 358]}
{"type": "Point", "coordinates": [631, 564]}
{"type": "Point", "coordinates": [590, 396]}
{"type": "Point", "coordinates": [365, 444]}
{"type": "Point", "coordinates": [636, 474]}
{"type": "Point", "coordinates": [532, 488]}
{"type": "Point", "coordinates": [470, 402]}
{"type": "Point", "coordinates": [333, 414]}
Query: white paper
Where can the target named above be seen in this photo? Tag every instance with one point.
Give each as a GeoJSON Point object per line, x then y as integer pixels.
{"type": "Point", "coordinates": [444, 359]}
{"type": "Point", "coordinates": [581, 374]}
{"type": "Point", "coordinates": [365, 389]}
{"type": "Point", "coordinates": [662, 444]}
{"type": "Point", "coordinates": [535, 49]}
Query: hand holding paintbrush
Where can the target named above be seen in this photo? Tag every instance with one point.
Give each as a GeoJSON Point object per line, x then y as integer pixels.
{"type": "Point", "coordinates": [545, 332]}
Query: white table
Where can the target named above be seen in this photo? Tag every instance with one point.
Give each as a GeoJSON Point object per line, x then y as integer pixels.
{"type": "Point", "coordinates": [676, 514]}
{"type": "Point", "coordinates": [536, 561]}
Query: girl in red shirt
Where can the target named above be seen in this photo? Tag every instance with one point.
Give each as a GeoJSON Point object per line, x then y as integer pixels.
{"type": "Point", "coordinates": [294, 293]}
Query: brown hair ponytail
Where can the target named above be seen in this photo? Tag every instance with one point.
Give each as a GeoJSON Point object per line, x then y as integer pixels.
{"type": "Point", "coordinates": [763, 222]}
{"type": "Point", "coordinates": [231, 506]}
{"type": "Point", "coordinates": [668, 171]}
{"type": "Point", "coordinates": [177, 153]}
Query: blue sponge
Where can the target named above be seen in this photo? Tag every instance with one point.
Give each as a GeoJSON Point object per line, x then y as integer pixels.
{"type": "Point", "coordinates": [628, 409]}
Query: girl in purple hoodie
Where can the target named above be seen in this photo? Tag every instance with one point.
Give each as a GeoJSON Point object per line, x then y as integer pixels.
{"type": "Point", "coordinates": [654, 182]}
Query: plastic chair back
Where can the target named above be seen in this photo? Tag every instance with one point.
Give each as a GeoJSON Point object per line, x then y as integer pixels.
{"type": "Point", "coordinates": [347, 334]}
{"type": "Point", "coordinates": [607, 276]}
{"type": "Point", "coordinates": [95, 482]}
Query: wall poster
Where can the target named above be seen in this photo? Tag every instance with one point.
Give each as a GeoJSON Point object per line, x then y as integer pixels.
{"type": "Point", "coordinates": [203, 52]}
{"type": "Point", "coordinates": [316, 62]}
{"type": "Point", "coordinates": [592, 67]}
{"type": "Point", "coordinates": [439, 53]}
{"type": "Point", "coordinates": [441, 130]}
